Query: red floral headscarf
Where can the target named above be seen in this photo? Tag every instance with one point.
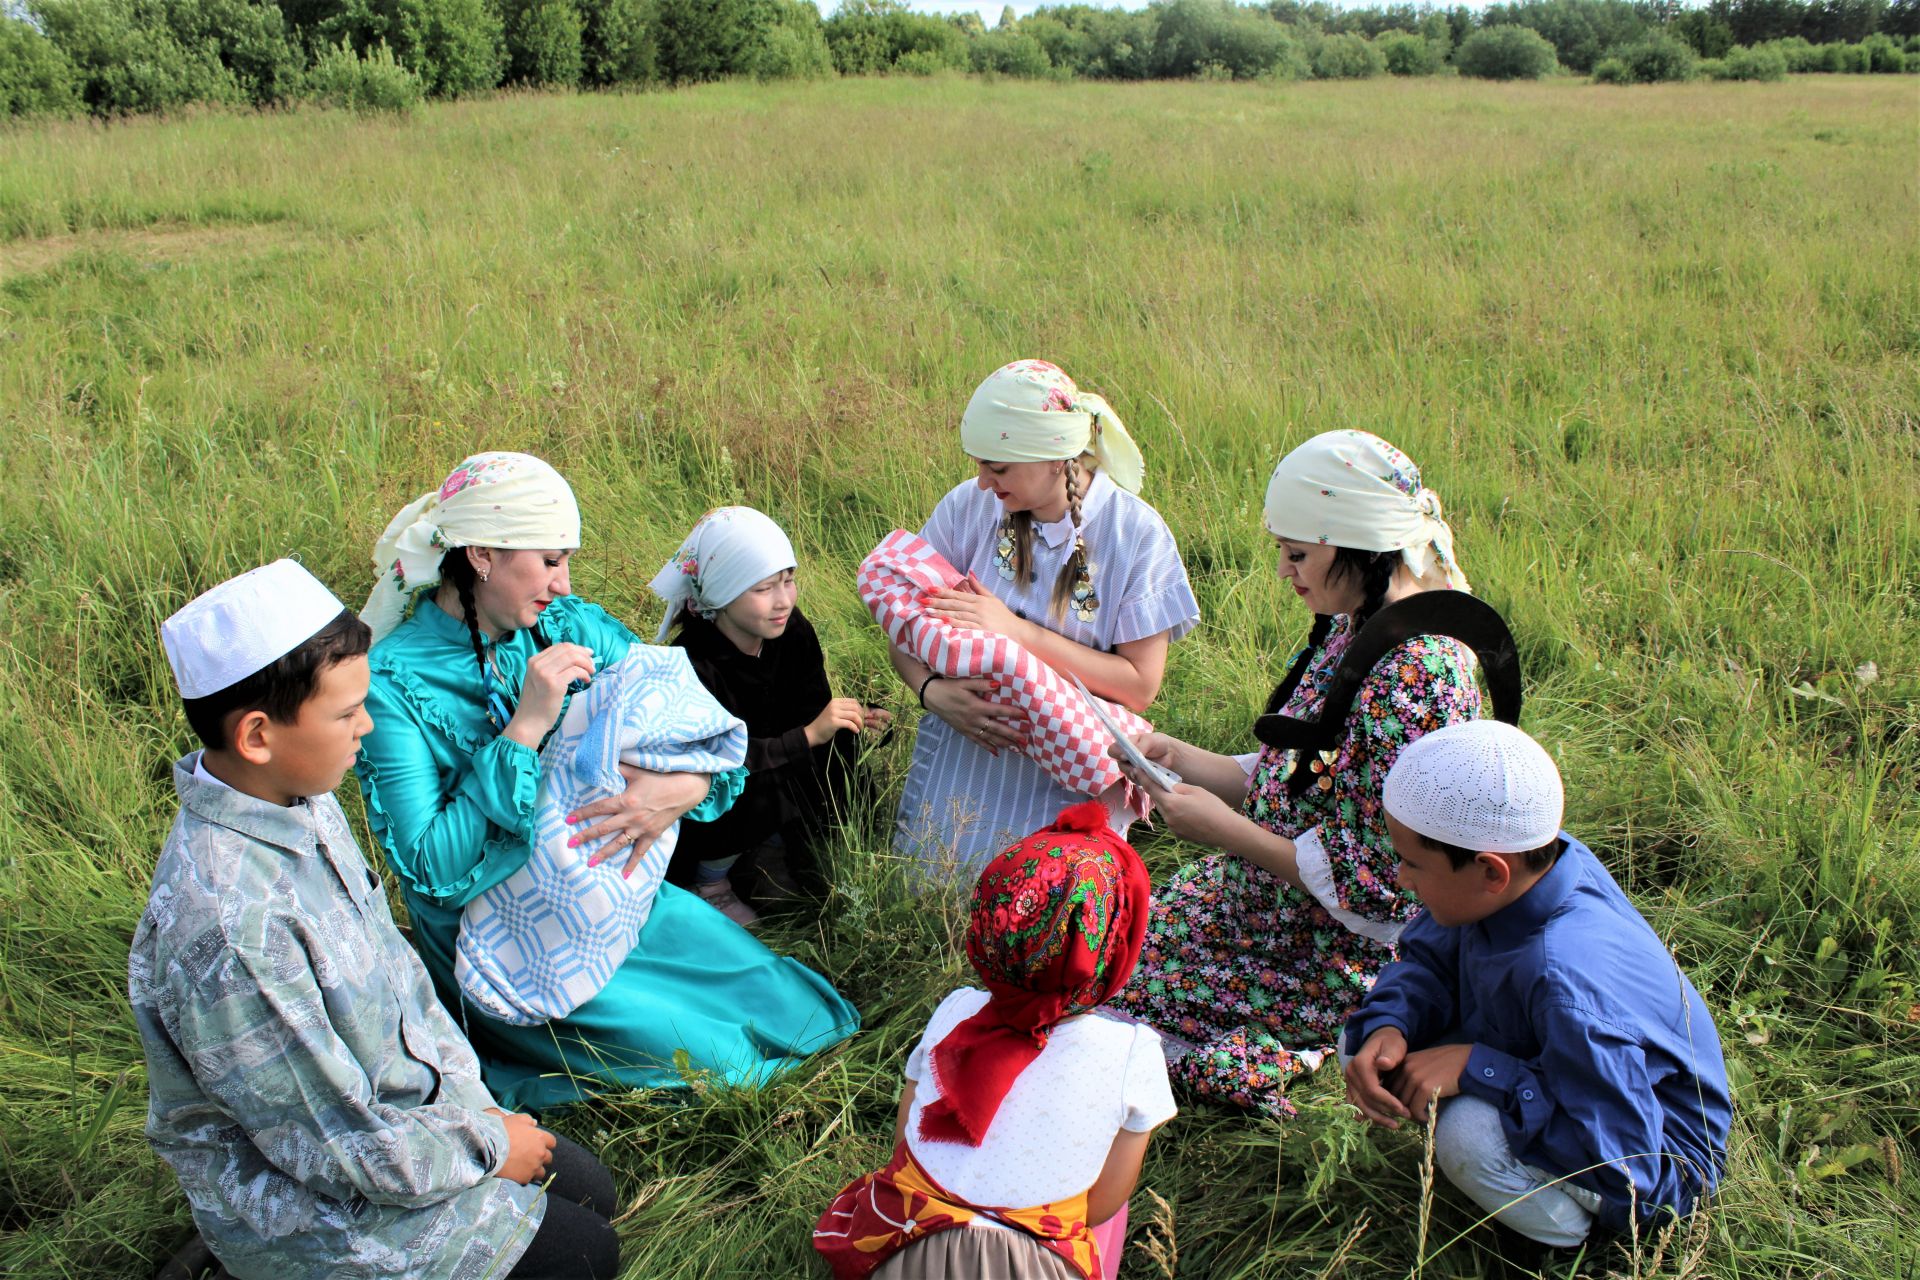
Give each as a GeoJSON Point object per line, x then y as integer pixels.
{"type": "Point", "coordinates": [1057, 924]}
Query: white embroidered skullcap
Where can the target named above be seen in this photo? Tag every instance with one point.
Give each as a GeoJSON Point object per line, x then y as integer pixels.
{"type": "Point", "coordinates": [1483, 785]}
{"type": "Point", "coordinates": [233, 630]}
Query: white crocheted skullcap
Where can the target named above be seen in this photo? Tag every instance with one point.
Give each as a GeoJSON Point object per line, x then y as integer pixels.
{"type": "Point", "coordinates": [1483, 785]}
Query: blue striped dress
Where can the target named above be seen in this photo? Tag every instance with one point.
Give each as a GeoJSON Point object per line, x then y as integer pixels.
{"type": "Point", "coordinates": [962, 805]}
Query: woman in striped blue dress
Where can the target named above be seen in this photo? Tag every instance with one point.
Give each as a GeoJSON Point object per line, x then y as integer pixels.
{"type": "Point", "coordinates": [1070, 563]}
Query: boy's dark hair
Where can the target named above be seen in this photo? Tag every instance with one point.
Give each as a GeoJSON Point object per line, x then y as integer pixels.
{"type": "Point", "coordinates": [1460, 856]}
{"type": "Point", "coordinates": [280, 687]}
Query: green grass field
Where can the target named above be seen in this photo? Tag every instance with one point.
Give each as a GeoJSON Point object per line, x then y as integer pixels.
{"type": "Point", "coordinates": [1659, 349]}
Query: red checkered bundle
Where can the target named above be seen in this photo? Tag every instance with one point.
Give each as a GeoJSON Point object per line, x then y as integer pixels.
{"type": "Point", "coordinates": [1063, 736]}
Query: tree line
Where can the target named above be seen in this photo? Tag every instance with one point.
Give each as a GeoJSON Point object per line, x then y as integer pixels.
{"type": "Point", "coordinates": [119, 57]}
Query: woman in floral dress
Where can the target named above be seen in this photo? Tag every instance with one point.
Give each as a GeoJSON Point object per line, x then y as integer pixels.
{"type": "Point", "coordinates": [1256, 954]}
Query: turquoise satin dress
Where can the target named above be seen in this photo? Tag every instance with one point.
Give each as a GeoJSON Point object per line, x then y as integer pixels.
{"type": "Point", "coordinates": [452, 804]}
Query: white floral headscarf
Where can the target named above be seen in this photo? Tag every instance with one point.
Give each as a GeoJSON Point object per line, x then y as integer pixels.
{"type": "Point", "coordinates": [1031, 411]}
{"type": "Point", "coordinates": [729, 550]}
{"type": "Point", "coordinates": [1353, 489]}
{"type": "Point", "coordinates": [509, 500]}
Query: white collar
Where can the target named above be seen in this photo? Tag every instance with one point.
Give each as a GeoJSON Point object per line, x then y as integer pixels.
{"type": "Point", "coordinates": [1060, 531]}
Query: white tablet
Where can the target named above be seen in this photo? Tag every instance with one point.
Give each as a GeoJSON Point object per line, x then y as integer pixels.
{"type": "Point", "coordinates": [1166, 778]}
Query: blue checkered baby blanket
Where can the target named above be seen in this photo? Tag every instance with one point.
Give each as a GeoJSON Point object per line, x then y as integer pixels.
{"type": "Point", "coordinates": [545, 940]}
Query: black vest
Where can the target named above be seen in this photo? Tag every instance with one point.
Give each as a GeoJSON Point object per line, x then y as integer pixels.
{"type": "Point", "coordinates": [1454, 614]}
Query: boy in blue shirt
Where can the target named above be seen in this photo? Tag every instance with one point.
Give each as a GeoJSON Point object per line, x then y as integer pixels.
{"type": "Point", "coordinates": [324, 1115]}
{"type": "Point", "coordinates": [1577, 1072]}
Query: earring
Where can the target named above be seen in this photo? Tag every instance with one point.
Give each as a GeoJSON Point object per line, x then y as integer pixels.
{"type": "Point", "coordinates": [483, 575]}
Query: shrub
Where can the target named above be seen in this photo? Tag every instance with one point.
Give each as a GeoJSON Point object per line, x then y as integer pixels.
{"type": "Point", "coordinates": [1845, 59]}
{"type": "Point", "coordinates": [35, 77]}
{"type": "Point", "coordinates": [617, 43]}
{"type": "Point", "coordinates": [1347, 57]}
{"type": "Point", "coordinates": [1407, 54]}
{"type": "Point", "coordinates": [1800, 56]}
{"type": "Point", "coordinates": [1753, 64]}
{"type": "Point", "coordinates": [792, 47]}
{"type": "Point", "coordinates": [1580, 31]}
{"type": "Point", "coordinates": [1191, 36]}
{"type": "Point", "coordinates": [124, 60]}
{"type": "Point", "coordinates": [373, 81]}
{"type": "Point", "coordinates": [1505, 52]}
{"type": "Point", "coordinates": [868, 36]}
{"type": "Point", "coordinates": [1656, 59]}
{"type": "Point", "coordinates": [1706, 69]}
{"type": "Point", "coordinates": [543, 42]}
{"type": "Point", "coordinates": [1611, 71]}
{"type": "Point", "coordinates": [1010, 53]}
{"type": "Point", "coordinates": [454, 46]}
{"type": "Point", "coordinates": [1882, 54]}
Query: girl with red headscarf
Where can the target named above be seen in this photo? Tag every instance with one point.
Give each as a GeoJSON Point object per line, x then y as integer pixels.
{"type": "Point", "coordinates": [1023, 1119]}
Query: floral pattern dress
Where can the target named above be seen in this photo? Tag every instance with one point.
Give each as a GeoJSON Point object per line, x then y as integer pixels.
{"type": "Point", "coordinates": [1257, 975]}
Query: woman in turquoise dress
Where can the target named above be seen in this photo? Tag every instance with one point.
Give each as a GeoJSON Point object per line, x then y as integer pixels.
{"type": "Point", "coordinates": [478, 646]}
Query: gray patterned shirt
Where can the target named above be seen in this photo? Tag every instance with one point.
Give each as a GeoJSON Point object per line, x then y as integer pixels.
{"type": "Point", "coordinates": [324, 1114]}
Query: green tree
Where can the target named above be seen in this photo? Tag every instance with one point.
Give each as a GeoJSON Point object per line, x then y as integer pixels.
{"type": "Point", "coordinates": [454, 46]}
{"type": "Point", "coordinates": [617, 43]}
{"type": "Point", "coordinates": [543, 39]}
{"type": "Point", "coordinates": [35, 77]}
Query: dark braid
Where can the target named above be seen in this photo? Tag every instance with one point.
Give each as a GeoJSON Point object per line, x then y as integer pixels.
{"type": "Point", "coordinates": [1075, 570]}
{"type": "Point", "coordinates": [1374, 570]}
{"type": "Point", "coordinates": [457, 568]}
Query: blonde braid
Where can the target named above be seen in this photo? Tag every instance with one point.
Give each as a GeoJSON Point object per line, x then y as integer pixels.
{"type": "Point", "coordinates": [1074, 587]}
{"type": "Point", "coordinates": [1019, 530]}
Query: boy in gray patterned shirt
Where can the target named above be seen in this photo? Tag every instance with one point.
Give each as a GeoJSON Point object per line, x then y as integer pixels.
{"type": "Point", "coordinates": [324, 1115]}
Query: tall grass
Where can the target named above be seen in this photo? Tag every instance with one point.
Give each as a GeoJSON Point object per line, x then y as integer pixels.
{"type": "Point", "coordinates": [1658, 354]}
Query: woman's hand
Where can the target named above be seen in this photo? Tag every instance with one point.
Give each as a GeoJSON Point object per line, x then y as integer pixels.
{"type": "Point", "coordinates": [635, 818]}
{"type": "Point", "coordinates": [1163, 749]}
{"type": "Point", "coordinates": [972, 606]}
{"type": "Point", "coordinates": [838, 714]}
{"type": "Point", "coordinates": [963, 704]}
{"type": "Point", "coordinates": [876, 717]}
{"type": "Point", "coordinates": [549, 672]}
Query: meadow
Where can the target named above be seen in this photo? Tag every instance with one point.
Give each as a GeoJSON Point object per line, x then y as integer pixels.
{"type": "Point", "coordinates": [1658, 348]}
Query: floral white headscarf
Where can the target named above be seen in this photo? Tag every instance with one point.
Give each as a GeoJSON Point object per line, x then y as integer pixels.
{"type": "Point", "coordinates": [510, 500]}
{"type": "Point", "coordinates": [1353, 489]}
{"type": "Point", "coordinates": [1031, 411]}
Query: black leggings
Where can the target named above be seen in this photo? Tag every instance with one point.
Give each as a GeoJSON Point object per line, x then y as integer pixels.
{"type": "Point", "coordinates": [575, 1240]}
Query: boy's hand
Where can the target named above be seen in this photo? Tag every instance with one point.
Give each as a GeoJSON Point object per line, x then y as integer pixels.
{"type": "Point", "coordinates": [876, 717]}
{"type": "Point", "coordinates": [1431, 1074]}
{"type": "Point", "coordinates": [1384, 1051]}
{"type": "Point", "coordinates": [529, 1148]}
{"type": "Point", "coordinates": [838, 714]}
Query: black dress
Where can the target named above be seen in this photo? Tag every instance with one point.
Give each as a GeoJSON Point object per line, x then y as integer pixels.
{"type": "Point", "coordinates": [793, 790]}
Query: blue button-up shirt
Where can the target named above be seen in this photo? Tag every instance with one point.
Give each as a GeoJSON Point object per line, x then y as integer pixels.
{"type": "Point", "coordinates": [324, 1115]}
{"type": "Point", "coordinates": [1600, 1055]}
